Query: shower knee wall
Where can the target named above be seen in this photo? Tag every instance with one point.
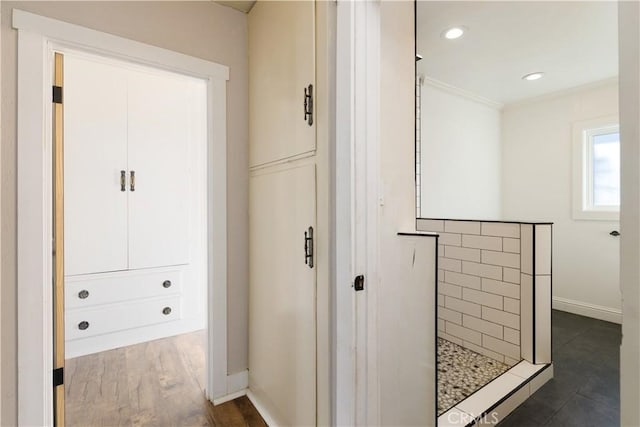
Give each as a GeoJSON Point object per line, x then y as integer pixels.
{"type": "Point", "coordinates": [494, 287]}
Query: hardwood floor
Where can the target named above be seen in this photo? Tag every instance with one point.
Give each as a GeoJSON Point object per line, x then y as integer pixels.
{"type": "Point", "coordinates": [157, 383]}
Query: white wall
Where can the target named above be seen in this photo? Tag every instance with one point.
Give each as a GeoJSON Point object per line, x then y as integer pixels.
{"type": "Point", "coordinates": [201, 29]}
{"type": "Point", "coordinates": [537, 186]}
{"type": "Point", "coordinates": [629, 36]}
{"type": "Point", "coordinates": [460, 155]}
{"type": "Point", "coordinates": [406, 289]}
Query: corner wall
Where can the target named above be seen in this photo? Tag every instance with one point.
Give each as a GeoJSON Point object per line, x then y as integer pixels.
{"type": "Point", "coordinates": [201, 29]}
{"type": "Point", "coordinates": [537, 186]}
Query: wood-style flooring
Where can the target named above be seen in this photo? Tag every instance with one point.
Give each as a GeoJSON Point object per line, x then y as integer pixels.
{"type": "Point", "coordinates": [157, 383]}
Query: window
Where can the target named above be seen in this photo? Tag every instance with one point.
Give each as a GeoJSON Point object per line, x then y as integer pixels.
{"type": "Point", "coordinates": [597, 170]}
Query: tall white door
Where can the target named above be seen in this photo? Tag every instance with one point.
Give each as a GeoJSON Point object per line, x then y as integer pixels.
{"type": "Point", "coordinates": [159, 190]}
{"type": "Point", "coordinates": [282, 304]}
{"type": "Point", "coordinates": [95, 156]}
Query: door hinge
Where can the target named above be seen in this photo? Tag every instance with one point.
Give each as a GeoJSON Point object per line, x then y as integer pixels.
{"type": "Point", "coordinates": [57, 94]}
{"type": "Point", "coordinates": [58, 377]}
{"type": "Point", "coordinates": [308, 104]}
{"type": "Point", "coordinates": [308, 247]}
{"type": "Point", "coordinates": [358, 283]}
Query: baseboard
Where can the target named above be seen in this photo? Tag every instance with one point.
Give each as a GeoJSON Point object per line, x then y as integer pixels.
{"type": "Point", "coordinates": [589, 310]}
{"type": "Point", "coordinates": [261, 410]}
{"type": "Point", "coordinates": [237, 385]}
{"type": "Point", "coordinates": [228, 397]}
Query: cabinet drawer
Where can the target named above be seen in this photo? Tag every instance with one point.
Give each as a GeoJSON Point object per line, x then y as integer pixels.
{"type": "Point", "coordinates": [87, 322]}
{"type": "Point", "coordinates": [107, 288]}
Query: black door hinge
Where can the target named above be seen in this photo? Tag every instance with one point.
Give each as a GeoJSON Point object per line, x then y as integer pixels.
{"type": "Point", "coordinates": [58, 377]}
{"type": "Point", "coordinates": [57, 94]}
{"type": "Point", "coordinates": [358, 283]}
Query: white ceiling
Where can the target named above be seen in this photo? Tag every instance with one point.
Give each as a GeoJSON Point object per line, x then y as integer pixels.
{"type": "Point", "coordinates": [241, 5]}
{"type": "Point", "coordinates": [573, 42]}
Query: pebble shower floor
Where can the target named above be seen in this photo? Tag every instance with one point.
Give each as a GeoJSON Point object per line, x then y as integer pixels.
{"type": "Point", "coordinates": [461, 372]}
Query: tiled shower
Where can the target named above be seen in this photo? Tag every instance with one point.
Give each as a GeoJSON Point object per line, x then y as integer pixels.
{"type": "Point", "coordinates": [493, 301]}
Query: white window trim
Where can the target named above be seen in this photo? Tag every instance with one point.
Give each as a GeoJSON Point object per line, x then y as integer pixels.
{"type": "Point", "coordinates": [36, 37]}
{"type": "Point", "coordinates": [582, 206]}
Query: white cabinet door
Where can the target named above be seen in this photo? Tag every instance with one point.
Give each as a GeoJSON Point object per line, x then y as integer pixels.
{"type": "Point", "coordinates": [282, 65]}
{"type": "Point", "coordinates": [160, 138]}
{"type": "Point", "coordinates": [95, 153]}
{"type": "Point", "coordinates": [282, 303]}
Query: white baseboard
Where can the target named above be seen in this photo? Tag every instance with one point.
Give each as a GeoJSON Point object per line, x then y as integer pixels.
{"type": "Point", "coordinates": [228, 397]}
{"type": "Point", "coordinates": [237, 385]}
{"type": "Point", "coordinates": [261, 410]}
{"type": "Point", "coordinates": [607, 314]}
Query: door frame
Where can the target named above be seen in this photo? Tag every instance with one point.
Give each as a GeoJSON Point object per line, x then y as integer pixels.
{"type": "Point", "coordinates": [37, 37]}
{"type": "Point", "coordinates": [356, 159]}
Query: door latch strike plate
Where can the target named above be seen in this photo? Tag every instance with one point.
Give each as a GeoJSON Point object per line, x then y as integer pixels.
{"type": "Point", "coordinates": [358, 283]}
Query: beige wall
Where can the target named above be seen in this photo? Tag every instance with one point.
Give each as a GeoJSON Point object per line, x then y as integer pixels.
{"type": "Point", "coordinates": [629, 35]}
{"type": "Point", "coordinates": [201, 29]}
{"type": "Point", "coordinates": [406, 343]}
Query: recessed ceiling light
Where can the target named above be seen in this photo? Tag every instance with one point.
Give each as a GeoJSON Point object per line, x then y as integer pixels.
{"type": "Point", "coordinates": [453, 33]}
{"type": "Point", "coordinates": [533, 76]}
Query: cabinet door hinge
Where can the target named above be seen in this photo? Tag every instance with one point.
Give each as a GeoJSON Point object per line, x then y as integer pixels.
{"type": "Point", "coordinates": [57, 94]}
{"type": "Point", "coordinates": [308, 104]}
{"type": "Point", "coordinates": [58, 377]}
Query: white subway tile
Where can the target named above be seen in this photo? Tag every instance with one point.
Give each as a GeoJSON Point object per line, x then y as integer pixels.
{"type": "Point", "coordinates": [541, 379]}
{"type": "Point", "coordinates": [440, 325]}
{"type": "Point", "coordinates": [450, 315]}
{"type": "Point", "coordinates": [543, 319]}
{"type": "Point", "coordinates": [483, 326]}
{"type": "Point", "coordinates": [512, 305]}
{"type": "Point", "coordinates": [434, 225]}
{"type": "Point", "coordinates": [462, 253]}
{"type": "Point", "coordinates": [462, 280]}
{"type": "Point", "coordinates": [501, 288]}
{"type": "Point", "coordinates": [440, 300]}
{"type": "Point", "coordinates": [526, 249]}
{"type": "Point", "coordinates": [441, 250]}
{"type": "Point", "coordinates": [482, 270]}
{"type": "Point", "coordinates": [462, 306]}
{"type": "Point", "coordinates": [450, 338]}
{"type": "Point", "coordinates": [450, 290]}
{"type": "Point", "coordinates": [464, 227]}
{"type": "Point", "coordinates": [502, 347]}
{"type": "Point", "coordinates": [440, 273]}
{"type": "Point", "coordinates": [482, 242]}
{"type": "Point", "coordinates": [510, 335]}
{"type": "Point", "coordinates": [511, 245]}
{"type": "Point", "coordinates": [450, 239]}
{"type": "Point", "coordinates": [511, 275]}
{"type": "Point", "coordinates": [465, 334]}
{"type": "Point", "coordinates": [490, 394]}
{"type": "Point", "coordinates": [501, 411]}
{"type": "Point", "coordinates": [501, 258]}
{"type": "Point", "coordinates": [450, 264]}
{"type": "Point", "coordinates": [543, 249]}
{"type": "Point", "coordinates": [501, 317]}
{"type": "Point", "coordinates": [484, 351]}
{"type": "Point", "coordinates": [501, 229]}
{"type": "Point", "coordinates": [482, 298]}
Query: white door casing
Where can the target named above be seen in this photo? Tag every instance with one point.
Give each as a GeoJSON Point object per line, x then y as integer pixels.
{"type": "Point", "coordinates": [38, 37]}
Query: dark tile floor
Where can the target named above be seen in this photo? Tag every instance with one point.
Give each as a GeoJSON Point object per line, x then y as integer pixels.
{"type": "Point", "coordinates": [585, 389]}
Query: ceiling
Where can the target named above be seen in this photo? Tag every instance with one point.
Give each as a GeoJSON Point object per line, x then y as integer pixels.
{"type": "Point", "coordinates": [241, 5]}
{"type": "Point", "coordinates": [574, 43]}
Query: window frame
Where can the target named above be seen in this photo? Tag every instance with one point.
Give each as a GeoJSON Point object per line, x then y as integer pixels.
{"type": "Point", "coordinates": [583, 133]}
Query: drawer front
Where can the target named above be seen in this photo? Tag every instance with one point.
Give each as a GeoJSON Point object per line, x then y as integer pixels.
{"type": "Point", "coordinates": [87, 322]}
{"type": "Point", "coordinates": [108, 288]}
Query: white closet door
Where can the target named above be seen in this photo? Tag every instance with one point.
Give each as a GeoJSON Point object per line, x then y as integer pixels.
{"type": "Point", "coordinates": [159, 142]}
{"type": "Point", "coordinates": [282, 64]}
{"type": "Point", "coordinates": [95, 153]}
{"type": "Point", "coordinates": [282, 302]}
